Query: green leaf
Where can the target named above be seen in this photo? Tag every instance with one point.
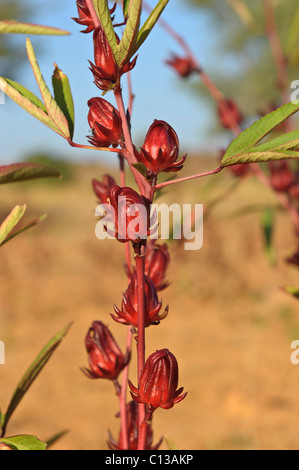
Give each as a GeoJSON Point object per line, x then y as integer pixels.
{"type": "Point", "coordinates": [126, 4]}
{"type": "Point", "coordinates": [11, 26]}
{"type": "Point", "coordinates": [294, 291]}
{"type": "Point", "coordinates": [149, 25]}
{"type": "Point", "coordinates": [26, 171]}
{"type": "Point", "coordinates": [243, 150]}
{"type": "Point", "coordinates": [52, 107]}
{"type": "Point", "coordinates": [32, 373]}
{"type": "Point", "coordinates": [268, 223]}
{"type": "Point", "coordinates": [53, 439]}
{"type": "Point", "coordinates": [128, 41]}
{"type": "Point", "coordinates": [35, 222]}
{"type": "Point", "coordinates": [102, 10]}
{"type": "Point", "coordinates": [26, 100]}
{"type": "Point", "coordinates": [63, 97]}
{"type": "Point", "coordinates": [140, 168]}
{"type": "Point", "coordinates": [10, 222]}
{"type": "Point", "coordinates": [24, 442]}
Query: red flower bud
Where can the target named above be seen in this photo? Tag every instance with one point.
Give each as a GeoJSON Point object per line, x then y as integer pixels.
{"type": "Point", "coordinates": [158, 382]}
{"type": "Point", "coordinates": [128, 315]}
{"type": "Point", "coordinates": [184, 66]}
{"type": "Point", "coordinates": [105, 122]}
{"type": "Point", "coordinates": [102, 189]}
{"type": "Point", "coordinates": [132, 430]}
{"type": "Point", "coordinates": [105, 70]}
{"type": "Point", "coordinates": [282, 177]}
{"type": "Point", "coordinates": [160, 150]}
{"type": "Point", "coordinates": [106, 360]}
{"type": "Point", "coordinates": [131, 214]}
{"type": "Point", "coordinates": [156, 263]}
{"type": "Point", "coordinates": [229, 113]}
{"type": "Point", "coordinates": [85, 18]}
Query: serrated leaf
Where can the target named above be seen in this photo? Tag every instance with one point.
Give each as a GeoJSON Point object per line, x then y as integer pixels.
{"type": "Point", "coordinates": [29, 102]}
{"type": "Point", "coordinates": [15, 27]}
{"type": "Point", "coordinates": [34, 222]}
{"type": "Point", "coordinates": [128, 41]}
{"type": "Point", "coordinates": [63, 97]}
{"type": "Point", "coordinates": [32, 372]}
{"type": "Point", "coordinates": [245, 143]}
{"type": "Point", "coordinates": [149, 25]}
{"type": "Point", "coordinates": [102, 10]}
{"type": "Point", "coordinates": [24, 442]}
{"type": "Point", "coordinates": [10, 222]}
{"type": "Point", "coordinates": [25, 171]}
{"type": "Point", "coordinates": [52, 107]}
{"type": "Point", "coordinates": [260, 157]}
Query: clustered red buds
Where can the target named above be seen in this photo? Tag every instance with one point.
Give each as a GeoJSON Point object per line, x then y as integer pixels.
{"type": "Point", "coordinates": [160, 150]}
{"type": "Point", "coordinates": [184, 66]}
{"type": "Point", "coordinates": [128, 315]}
{"type": "Point", "coordinates": [229, 113]}
{"type": "Point", "coordinates": [132, 431]}
{"type": "Point", "coordinates": [102, 188]}
{"type": "Point", "coordinates": [156, 263]}
{"type": "Point", "coordinates": [106, 360]}
{"type": "Point", "coordinates": [131, 213]}
{"type": "Point", "coordinates": [105, 123]}
{"type": "Point", "coordinates": [282, 178]}
{"type": "Point", "coordinates": [159, 382]}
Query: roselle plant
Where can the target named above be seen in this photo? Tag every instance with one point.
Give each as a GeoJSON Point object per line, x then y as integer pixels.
{"type": "Point", "coordinates": [129, 209]}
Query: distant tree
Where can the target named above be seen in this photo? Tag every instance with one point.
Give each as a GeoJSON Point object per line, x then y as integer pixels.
{"type": "Point", "coordinates": [242, 65]}
{"type": "Point", "coordinates": [10, 51]}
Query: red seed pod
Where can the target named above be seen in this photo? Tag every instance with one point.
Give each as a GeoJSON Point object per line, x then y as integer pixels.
{"type": "Point", "coordinates": [160, 150]}
{"type": "Point", "coordinates": [156, 263]}
{"type": "Point", "coordinates": [105, 70]}
{"type": "Point", "coordinates": [106, 360]}
{"type": "Point", "coordinates": [131, 214]}
{"type": "Point", "coordinates": [294, 259]}
{"type": "Point", "coordinates": [158, 382]}
{"type": "Point", "coordinates": [102, 188]}
{"type": "Point", "coordinates": [282, 178]}
{"type": "Point", "coordinates": [229, 113]}
{"type": "Point", "coordinates": [132, 431]}
{"type": "Point", "coordinates": [105, 123]}
{"type": "Point", "coordinates": [184, 66]}
{"type": "Point", "coordinates": [128, 315]}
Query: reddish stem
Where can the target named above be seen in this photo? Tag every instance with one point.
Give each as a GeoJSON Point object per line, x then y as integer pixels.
{"type": "Point", "coordinates": [93, 13]}
{"type": "Point", "coordinates": [277, 50]}
{"type": "Point", "coordinates": [140, 251]}
{"type": "Point", "coordinates": [89, 147]}
{"type": "Point", "coordinates": [188, 178]}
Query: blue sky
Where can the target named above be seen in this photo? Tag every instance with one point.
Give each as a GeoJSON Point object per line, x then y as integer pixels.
{"type": "Point", "coordinates": [159, 93]}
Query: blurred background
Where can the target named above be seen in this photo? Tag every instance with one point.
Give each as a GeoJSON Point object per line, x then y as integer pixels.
{"type": "Point", "coordinates": [230, 324]}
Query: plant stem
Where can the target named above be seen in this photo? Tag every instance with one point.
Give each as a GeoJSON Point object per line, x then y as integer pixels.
{"type": "Point", "coordinates": [277, 50]}
{"type": "Point", "coordinates": [140, 251]}
{"type": "Point", "coordinates": [129, 153]}
{"type": "Point", "coordinates": [143, 430]}
{"type": "Point", "coordinates": [89, 147]}
{"type": "Point", "coordinates": [93, 13]}
{"type": "Point", "coordinates": [188, 178]}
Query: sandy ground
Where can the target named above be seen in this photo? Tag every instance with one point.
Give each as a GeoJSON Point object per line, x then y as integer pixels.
{"type": "Point", "coordinates": [230, 325]}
